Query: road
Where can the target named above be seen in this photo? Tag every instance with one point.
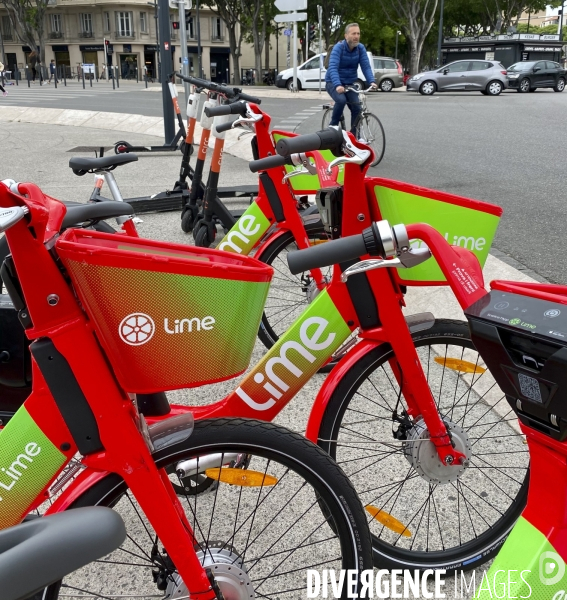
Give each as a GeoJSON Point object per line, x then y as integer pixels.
{"type": "Point", "coordinates": [506, 150]}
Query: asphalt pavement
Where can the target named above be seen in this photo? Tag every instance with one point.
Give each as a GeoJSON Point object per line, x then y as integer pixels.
{"type": "Point", "coordinates": [506, 150]}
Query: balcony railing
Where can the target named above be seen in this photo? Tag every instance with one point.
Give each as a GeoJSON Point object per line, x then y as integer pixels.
{"type": "Point", "coordinates": [7, 37]}
{"type": "Point", "coordinates": [86, 34]}
{"type": "Point", "coordinates": [217, 38]}
{"type": "Point", "coordinates": [55, 35]}
{"type": "Point", "coordinates": [124, 34]}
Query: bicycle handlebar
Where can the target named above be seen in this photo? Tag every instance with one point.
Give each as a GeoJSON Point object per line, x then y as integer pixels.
{"type": "Point", "coordinates": [270, 162]}
{"type": "Point", "coordinates": [327, 139]}
{"type": "Point", "coordinates": [229, 92]}
{"type": "Point", "coordinates": [236, 108]}
{"type": "Point", "coordinates": [224, 126]}
{"type": "Point", "coordinates": [329, 253]}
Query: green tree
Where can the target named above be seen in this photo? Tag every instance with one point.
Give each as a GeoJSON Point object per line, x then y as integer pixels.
{"type": "Point", "coordinates": [414, 18]}
{"type": "Point", "coordinates": [230, 11]}
{"type": "Point", "coordinates": [28, 21]}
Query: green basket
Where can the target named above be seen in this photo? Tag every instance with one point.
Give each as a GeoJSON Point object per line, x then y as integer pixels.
{"type": "Point", "coordinates": [463, 222]}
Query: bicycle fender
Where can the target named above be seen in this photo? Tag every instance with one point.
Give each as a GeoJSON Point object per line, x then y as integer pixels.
{"type": "Point", "coordinates": [331, 382]}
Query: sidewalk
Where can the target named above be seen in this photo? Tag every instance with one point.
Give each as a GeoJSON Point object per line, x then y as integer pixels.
{"type": "Point", "coordinates": [65, 123]}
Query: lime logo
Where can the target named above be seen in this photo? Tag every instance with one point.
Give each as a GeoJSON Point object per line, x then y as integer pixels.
{"type": "Point", "coordinates": [515, 321]}
{"type": "Point", "coordinates": [275, 385]}
{"type": "Point", "coordinates": [13, 473]}
{"type": "Point", "coordinates": [136, 329]}
{"type": "Point", "coordinates": [245, 228]}
{"type": "Point", "coordinates": [551, 568]}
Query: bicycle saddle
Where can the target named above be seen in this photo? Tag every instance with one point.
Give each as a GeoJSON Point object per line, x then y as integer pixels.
{"type": "Point", "coordinates": [97, 211]}
{"type": "Point", "coordinates": [82, 166]}
{"type": "Point", "coordinates": [55, 546]}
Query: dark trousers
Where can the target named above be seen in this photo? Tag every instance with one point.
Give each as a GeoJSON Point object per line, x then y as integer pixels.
{"type": "Point", "coordinates": [341, 100]}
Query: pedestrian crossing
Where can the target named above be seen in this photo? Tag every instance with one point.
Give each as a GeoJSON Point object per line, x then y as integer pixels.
{"type": "Point", "coordinates": [293, 122]}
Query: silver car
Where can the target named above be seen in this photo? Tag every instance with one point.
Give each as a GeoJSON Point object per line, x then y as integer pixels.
{"type": "Point", "coordinates": [485, 76]}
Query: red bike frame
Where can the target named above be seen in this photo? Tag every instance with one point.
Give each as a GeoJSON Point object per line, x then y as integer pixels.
{"type": "Point", "coordinates": [124, 450]}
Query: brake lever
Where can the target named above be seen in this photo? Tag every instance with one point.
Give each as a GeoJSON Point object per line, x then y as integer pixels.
{"type": "Point", "coordinates": [406, 260]}
{"type": "Point", "coordinates": [301, 160]}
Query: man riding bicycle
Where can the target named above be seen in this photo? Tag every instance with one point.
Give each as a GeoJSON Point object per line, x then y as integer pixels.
{"type": "Point", "coordinates": [345, 58]}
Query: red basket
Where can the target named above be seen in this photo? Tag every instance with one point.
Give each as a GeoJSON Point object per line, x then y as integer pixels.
{"type": "Point", "coordinates": [169, 316]}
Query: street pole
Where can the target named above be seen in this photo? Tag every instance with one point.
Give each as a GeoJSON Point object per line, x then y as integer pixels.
{"type": "Point", "coordinates": [320, 18]}
{"type": "Point", "coordinates": [183, 41]}
{"type": "Point", "coordinates": [397, 33]}
{"type": "Point", "coordinates": [440, 39]}
{"type": "Point", "coordinates": [166, 69]}
{"type": "Point", "coordinates": [288, 49]}
{"type": "Point", "coordinates": [198, 24]}
{"type": "Point", "coordinates": [295, 54]}
{"type": "Point", "coordinates": [561, 21]}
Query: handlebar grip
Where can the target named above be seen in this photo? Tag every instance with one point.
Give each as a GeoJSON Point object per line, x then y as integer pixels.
{"type": "Point", "coordinates": [217, 111]}
{"type": "Point", "coordinates": [224, 126]}
{"type": "Point", "coordinates": [194, 80]}
{"type": "Point", "coordinates": [242, 96]}
{"type": "Point", "coordinates": [329, 253]}
{"type": "Point", "coordinates": [327, 139]}
{"type": "Point", "coordinates": [270, 162]}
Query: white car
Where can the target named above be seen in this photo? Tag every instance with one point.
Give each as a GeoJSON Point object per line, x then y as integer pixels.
{"type": "Point", "coordinates": [308, 74]}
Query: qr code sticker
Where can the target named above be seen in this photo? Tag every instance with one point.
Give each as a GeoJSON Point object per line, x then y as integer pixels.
{"type": "Point", "coordinates": [530, 388]}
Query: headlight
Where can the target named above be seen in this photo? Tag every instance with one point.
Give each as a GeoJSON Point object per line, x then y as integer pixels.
{"type": "Point", "coordinates": [416, 77]}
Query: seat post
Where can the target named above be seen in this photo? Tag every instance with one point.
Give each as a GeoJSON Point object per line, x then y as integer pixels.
{"type": "Point", "coordinates": [113, 186]}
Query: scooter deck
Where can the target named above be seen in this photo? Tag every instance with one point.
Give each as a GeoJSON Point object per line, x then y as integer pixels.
{"type": "Point", "coordinates": [238, 191]}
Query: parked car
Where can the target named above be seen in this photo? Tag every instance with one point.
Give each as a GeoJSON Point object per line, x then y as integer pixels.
{"type": "Point", "coordinates": [485, 76]}
{"type": "Point", "coordinates": [529, 75]}
{"type": "Point", "coordinates": [308, 74]}
{"type": "Point", "coordinates": [388, 73]}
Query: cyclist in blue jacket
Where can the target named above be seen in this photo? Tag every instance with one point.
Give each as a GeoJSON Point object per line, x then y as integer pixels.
{"type": "Point", "coordinates": [345, 58]}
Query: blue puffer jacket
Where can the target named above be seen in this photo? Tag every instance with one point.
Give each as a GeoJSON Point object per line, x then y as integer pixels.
{"type": "Point", "coordinates": [343, 65]}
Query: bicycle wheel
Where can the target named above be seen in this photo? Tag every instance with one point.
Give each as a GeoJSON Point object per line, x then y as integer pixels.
{"type": "Point", "coordinates": [326, 118]}
{"type": "Point", "coordinates": [422, 514]}
{"type": "Point", "coordinates": [370, 130]}
{"type": "Point", "coordinates": [289, 294]}
{"type": "Point", "coordinates": [259, 540]}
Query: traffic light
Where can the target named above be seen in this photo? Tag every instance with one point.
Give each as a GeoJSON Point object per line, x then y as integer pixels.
{"type": "Point", "coordinates": [175, 24]}
{"type": "Point", "coordinates": [312, 32]}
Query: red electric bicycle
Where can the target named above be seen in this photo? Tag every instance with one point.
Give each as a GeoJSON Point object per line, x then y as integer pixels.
{"type": "Point", "coordinates": [520, 331]}
{"type": "Point", "coordinates": [279, 505]}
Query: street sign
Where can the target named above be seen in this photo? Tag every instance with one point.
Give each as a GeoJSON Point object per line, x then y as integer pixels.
{"type": "Point", "coordinates": [287, 32]}
{"type": "Point", "coordinates": [290, 17]}
{"type": "Point", "coordinates": [284, 5]}
{"type": "Point", "coordinates": [185, 60]}
{"type": "Point", "coordinates": [175, 4]}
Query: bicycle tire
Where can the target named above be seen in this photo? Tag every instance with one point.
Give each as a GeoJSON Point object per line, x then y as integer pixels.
{"type": "Point", "coordinates": [274, 254]}
{"type": "Point", "coordinates": [369, 128]}
{"type": "Point", "coordinates": [298, 462]}
{"type": "Point", "coordinates": [326, 118]}
{"type": "Point", "coordinates": [364, 393]}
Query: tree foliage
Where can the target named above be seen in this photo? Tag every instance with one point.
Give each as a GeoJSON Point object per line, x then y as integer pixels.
{"type": "Point", "coordinates": [28, 21]}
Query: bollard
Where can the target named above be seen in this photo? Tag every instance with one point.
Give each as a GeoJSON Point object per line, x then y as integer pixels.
{"type": "Point", "coordinates": [137, 76]}
{"type": "Point", "coordinates": [17, 72]}
{"type": "Point", "coordinates": [28, 76]}
{"type": "Point", "coordinates": [83, 74]}
{"type": "Point", "coordinates": [91, 77]}
{"type": "Point", "coordinates": [117, 75]}
{"type": "Point", "coordinates": [110, 70]}
{"type": "Point", "coordinates": [64, 75]}
{"type": "Point", "coordinates": [146, 76]}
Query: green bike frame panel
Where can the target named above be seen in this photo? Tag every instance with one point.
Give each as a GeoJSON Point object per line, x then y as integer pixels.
{"type": "Point", "coordinates": [296, 357]}
{"type": "Point", "coordinates": [28, 462]}
{"type": "Point", "coordinates": [246, 232]}
{"type": "Point", "coordinates": [537, 571]}
{"type": "Point", "coordinates": [459, 225]}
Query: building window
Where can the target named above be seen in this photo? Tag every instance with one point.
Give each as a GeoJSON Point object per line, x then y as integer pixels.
{"type": "Point", "coordinates": [144, 22]}
{"type": "Point", "coordinates": [106, 21]}
{"type": "Point", "coordinates": [86, 23]}
{"type": "Point", "coordinates": [216, 30]}
{"type": "Point", "coordinates": [191, 29]}
{"type": "Point", "coordinates": [124, 24]}
{"type": "Point", "coordinates": [56, 23]}
{"type": "Point", "coordinates": [6, 28]}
